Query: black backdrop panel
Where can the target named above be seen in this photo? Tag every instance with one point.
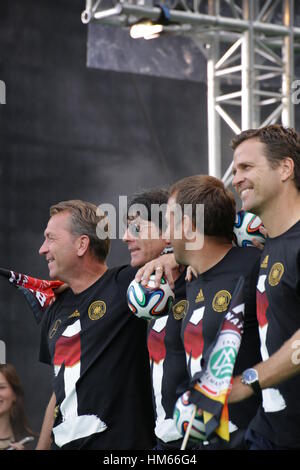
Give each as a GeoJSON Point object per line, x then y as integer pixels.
{"type": "Point", "coordinates": [170, 56]}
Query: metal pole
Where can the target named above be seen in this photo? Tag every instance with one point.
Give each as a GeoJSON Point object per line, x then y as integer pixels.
{"type": "Point", "coordinates": [247, 120]}
{"type": "Point", "coordinates": [288, 115]}
{"type": "Point", "coordinates": [209, 20]}
{"type": "Point", "coordinates": [87, 14]}
{"type": "Point", "coordinates": [213, 90]}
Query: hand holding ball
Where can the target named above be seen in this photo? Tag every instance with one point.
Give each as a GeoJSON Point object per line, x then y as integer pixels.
{"type": "Point", "coordinates": [150, 302]}
{"type": "Point", "coordinates": [246, 228]}
{"type": "Point", "coordinates": [183, 412]}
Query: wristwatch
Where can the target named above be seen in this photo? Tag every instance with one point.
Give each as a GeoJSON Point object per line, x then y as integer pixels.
{"type": "Point", "coordinates": [250, 377]}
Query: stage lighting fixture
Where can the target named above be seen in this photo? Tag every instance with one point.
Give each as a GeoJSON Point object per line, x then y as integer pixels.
{"type": "Point", "coordinates": [145, 29]}
{"type": "Point", "coordinates": [149, 29]}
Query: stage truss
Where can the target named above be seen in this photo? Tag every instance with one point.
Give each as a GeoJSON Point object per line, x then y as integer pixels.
{"type": "Point", "coordinates": [249, 46]}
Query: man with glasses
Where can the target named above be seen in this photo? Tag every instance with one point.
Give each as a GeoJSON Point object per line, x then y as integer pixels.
{"type": "Point", "coordinates": [145, 240]}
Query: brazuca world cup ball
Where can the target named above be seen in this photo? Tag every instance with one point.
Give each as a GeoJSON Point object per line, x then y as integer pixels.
{"type": "Point", "coordinates": [148, 301]}
{"type": "Point", "coordinates": [246, 228]}
{"type": "Point", "coordinates": [182, 414]}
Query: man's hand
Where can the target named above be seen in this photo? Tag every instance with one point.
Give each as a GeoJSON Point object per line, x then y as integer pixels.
{"type": "Point", "coordinates": [256, 242]}
{"type": "Point", "coordinates": [162, 267]}
{"type": "Point", "coordinates": [59, 290]}
{"type": "Point", "coordinates": [190, 272]}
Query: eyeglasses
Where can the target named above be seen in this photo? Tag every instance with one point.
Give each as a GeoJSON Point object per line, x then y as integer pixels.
{"type": "Point", "coordinates": [134, 229]}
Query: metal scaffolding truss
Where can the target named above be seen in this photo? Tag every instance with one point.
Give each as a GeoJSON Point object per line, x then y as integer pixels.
{"type": "Point", "coordinates": [249, 46]}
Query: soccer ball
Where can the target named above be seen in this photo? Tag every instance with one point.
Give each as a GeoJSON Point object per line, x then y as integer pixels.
{"type": "Point", "coordinates": [246, 227]}
{"type": "Point", "coordinates": [148, 301]}
{"type": "Point", "coordinates": [182, 415]}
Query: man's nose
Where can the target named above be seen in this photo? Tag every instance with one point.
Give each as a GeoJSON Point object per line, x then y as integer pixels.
{"type": "Point", "coordinates": [43, 249]}
{"type": "Point", "coordinates": [127, 236]}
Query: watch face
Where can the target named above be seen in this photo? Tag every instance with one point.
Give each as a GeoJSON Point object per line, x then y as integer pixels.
{"type": "Point", "coordinates": [250, 375]}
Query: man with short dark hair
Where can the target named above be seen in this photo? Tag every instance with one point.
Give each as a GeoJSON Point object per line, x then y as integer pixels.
{"type": "Point", "coordinates": [102, 394]}
{"type": "Point", "coordinates": [219, 267]}
{"type": "Point", "coordinates": [267, 178]}
{"type": "Point", "coordinates": [145, 241]}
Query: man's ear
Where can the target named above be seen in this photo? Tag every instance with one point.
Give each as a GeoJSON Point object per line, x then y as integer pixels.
{"type": "Point", "coordinates": [83, 243]}
{"type": "Point", "coordinates": [287, 168]}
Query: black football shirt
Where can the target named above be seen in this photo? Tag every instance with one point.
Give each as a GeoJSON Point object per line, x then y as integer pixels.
{"type": "Point", "coordinates": [168, 365]}
{"type": "Point", "coordinates": [209, 297]}
{"type": "Point", "coordinates": [102, 377]}
{"type": "Point", "coordinates": [278, 301]}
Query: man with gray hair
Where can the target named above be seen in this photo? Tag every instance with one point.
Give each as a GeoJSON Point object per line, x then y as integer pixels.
{"type": "Point", "coordinates": [102, 396]}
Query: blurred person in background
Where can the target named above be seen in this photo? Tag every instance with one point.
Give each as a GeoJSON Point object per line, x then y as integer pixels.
{"type": "Point", "coordinates": [14, 427]}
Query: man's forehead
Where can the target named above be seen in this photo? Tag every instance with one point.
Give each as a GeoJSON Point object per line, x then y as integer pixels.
{"type": "Point", "coordinates": [249, 146]}
{"type": "Point", "coordinates": [61, 220]}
